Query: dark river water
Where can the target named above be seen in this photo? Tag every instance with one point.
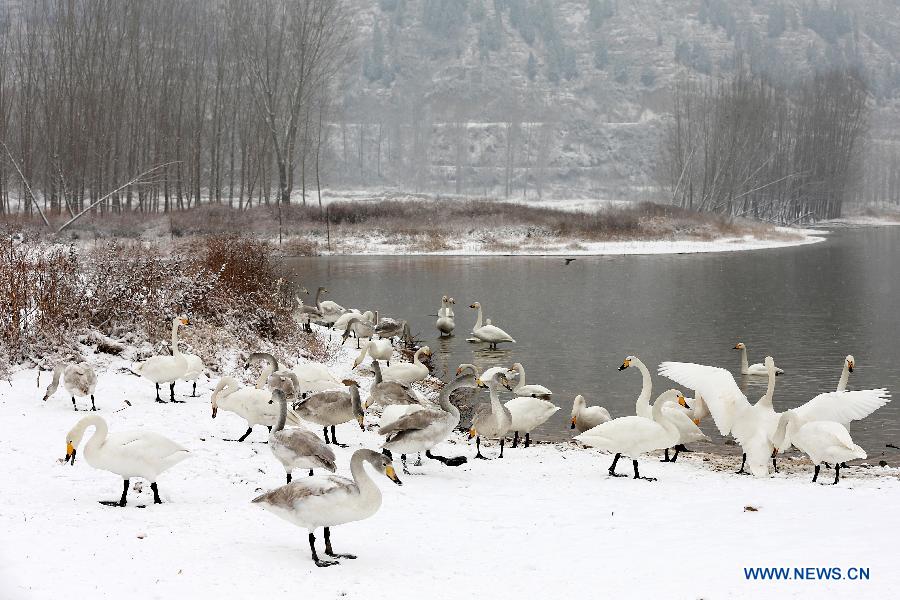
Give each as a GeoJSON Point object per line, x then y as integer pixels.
{"type": "Point", "coordinates": [807, 306]}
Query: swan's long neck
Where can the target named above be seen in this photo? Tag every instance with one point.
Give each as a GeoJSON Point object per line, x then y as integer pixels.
{"type": "Point", "coordinates": [496, 407]}
{"type": "Point", "coordinates": [642, 406]}
{"type": "Point", "coordinates": [99, 436]}
{"type": "Point", "coordinates": [521, 371]}
{"type": "Point", "coordinates": [770, 390]}
{"type": "Point", "coordinates": [787, 421]}
{"type": "Point", "coordinates": [417, 356]}
{"type": "Point", "coordinates": [264, 375]}
{"type": "Point", "coordinates": [377, 368]}
{"type": "Point", "coordinates": [318, 296]}
{"type": "Point", "coordinates": [282, 412]}
{"type": "Point", "coordinates": [175, 349]}
{"type": "Point", "coordinates": [58, 371]}
{"type": "Point", "coordinates": [478, 322]}
{"type": "Point", "coordinates": [451, 387]}
{"type": "Point", "coordinates": [842, 384]}
{"type": "Point", "coordinates": [657, 415]}
{"type": "Point", "coordinates": [367, 488]}
{"type": "Point", "coordinates": [224, 388]}
{"type": "Point", "coordinates": [745, 366]}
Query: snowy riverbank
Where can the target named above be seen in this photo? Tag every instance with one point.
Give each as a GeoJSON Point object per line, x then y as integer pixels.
{"type": "Point", "coordinates": [541, 523]}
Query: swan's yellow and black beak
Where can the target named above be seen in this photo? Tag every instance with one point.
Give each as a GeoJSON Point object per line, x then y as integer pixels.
{"type": "Point", "coordinates": [479, 382]}
{"type": "Point", "coordinates": [361, 420]}
{"type": "Point", "coordinates": [185, 321]}
{"type": "Point", "coordinates": [696, 422]}
{"type": "Point", "coordinates": [505, 382]}
{"type": "Point", "coordinates": [70, 453]}
{"type": "Point", "coordinates": [392, 475]}
{"type": "Point", "coordinates": [850, 365]}
{"type": "Point", "coordinates": [472, 432]}
{"type": "Point", "coordinates": [458, 371]}
{"type": "Point", "coordinates": [682, 401]}
{"type": "Point", "coordinates": [471, 306]}
{"type": "Point", "coordinates": [737, 346]}
{"type": "Point", "coordinates": [367, 404]}
{"type": "Point", "coordinates": [574, 419]}
{"type": "Point", "coordinates": [625, 364]}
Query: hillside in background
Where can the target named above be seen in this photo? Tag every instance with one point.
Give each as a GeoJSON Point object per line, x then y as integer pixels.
{"type": "Point", "coordinates": [569, 98]}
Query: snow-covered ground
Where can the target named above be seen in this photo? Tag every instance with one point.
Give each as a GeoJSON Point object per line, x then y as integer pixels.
{"type": "Point", "coordinates": [545, 522]}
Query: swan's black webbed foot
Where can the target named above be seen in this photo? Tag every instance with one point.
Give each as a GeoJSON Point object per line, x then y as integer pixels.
{"type": "Point", "coordinates": [637, 474]}
{"type": "Point", "coordinates": [156, 498]}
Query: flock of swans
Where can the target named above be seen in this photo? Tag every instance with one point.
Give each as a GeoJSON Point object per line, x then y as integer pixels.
{"type": "Point", "coordinates": [282, 399]}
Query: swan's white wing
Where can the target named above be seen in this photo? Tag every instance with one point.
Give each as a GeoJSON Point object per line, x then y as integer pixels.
{"type": "Point", "coordinates": [716, 386]}
{"type": "Point", "coordinates": [843, 407]}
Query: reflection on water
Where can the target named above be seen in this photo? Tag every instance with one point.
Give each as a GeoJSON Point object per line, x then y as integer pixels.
{"type": "Point", "coordinates": [808, 306]}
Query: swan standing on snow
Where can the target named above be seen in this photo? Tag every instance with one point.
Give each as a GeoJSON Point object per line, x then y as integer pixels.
{"type": "Point", "coordinates": [633, 435]}
{"type": "Point", "coordinates": [333, 407]}
{"type": "Point", "coordinates": [297, 448]}
{"type": "Point", "coordinates": [756, 368]}
{"type": "Point", "coordinates": [528, 413]}
{"type": "Point", "coordinates": [534, 390]}
{"type": "Point", "coordinates": [126, 453]}
{"type": "Point", "coordinates": [751, 425]}
{"type": "Point", "coordinates": [425, 428]}
{"type": "Point", "coordinates": [331, 500]}
{"type": "Point", "coordinates": [489, 333]}
{"type": "Point", "coordinates": [314, 377]}
{"type": "Point", "coordinates": [822, 441]}
{"type": "Point", "coordinates": [378, 349]}
{"type": "Point", "coordinates": [491, 420]}
{"type": "Point", "coordinates": [359, 328]}
{"type": "Point", "coordinates": [445, 323]}
{"type": "Point", "coordinates": [585, 417]}
{"type": "Point", "coordinates": [408, 372]}
{"type": "Point", "coordinates": [849, 365]}
{"type": "Point", "coordinates": [390, 393]}
{"type": "Point", "coordinates": [194, 370]}
{"type": "Point", "coordinates": [79, 380]}
{"type": "Point", "coordinates": [688, 431]}
{"type": "Point", "coordinates": [166, 369]}
{"type": "Point", "coordinates": [253, 405]}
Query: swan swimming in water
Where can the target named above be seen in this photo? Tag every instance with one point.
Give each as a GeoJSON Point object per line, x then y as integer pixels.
{"type": "Point", "coordinates": [756, 368]}
{"type": "Point", "coordinates": [534, 390]}
{"type": "Point", "coordinates": [314, 502]}
{"type": "Point", "coordinates": [445, 322]}
{"type": "Point", "coordinates": [128, 454]}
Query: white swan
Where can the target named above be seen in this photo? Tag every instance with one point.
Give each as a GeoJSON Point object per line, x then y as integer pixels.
{"type": "Point", "coordinates": [521, 389]}
{"type": "Point", "coordinates": [642, 406]}
{"type": "Point", "coordinates": [491, 420]}
{"type": "Point", "coordinates": [333, 407]}
{"type": "Point", "coordinates": [378, 349]}
{"type": "Point", "coordinates": [341, 323]}
{"type": "Point", "coordinates": [751, 425]}
{"type": "Point", "coordinates": [408, 372]}
{"type": "Point", "coordinates": [841, 407]}
{"type": "Point", "coordinates": [528, 413]}
{"type": "Point", "coordinates": [489, 333]}
{"type": "Point", "coordinates": [445, 322]}
{"type": "Point", "coordinates": [314, 377]}
{"type": "Point", "coordinates": [634, 435]}
{"type": "Point", "coordinates": [688, 431]}
{"type": "Point", "coordinates": [79, 380]}
{"type": "Point", "coordinates": [585, 417]}
{"type": "Point", "coordinates": [166, 369]}
{"type": "Point", "coordinates": [849, 365]}
{"type": "Point", "coordinates": [253, 405]}
{"type": "Point", "coordinates": [195, 368]}
{"type": "Point", "coordinates": [822, 441]}
{"type": "Point", "coordinates": [330, 310]}
{"type": "Point", "coordinates": [756, 368]}
{"type": "Point", "coordinates": [297, 447]}
{"type": "Point", "coordinates": [423, 429]}
{"type": "Point", "coordinates": [128, 454]}
{"type": "Point", "coordinates": [330, 500]}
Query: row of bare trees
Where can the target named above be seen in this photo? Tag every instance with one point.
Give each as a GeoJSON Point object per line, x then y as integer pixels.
{"type": "Point", "coordinates": [222, 100]}
{"type": "Point", "coordinates": [743, 146]}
